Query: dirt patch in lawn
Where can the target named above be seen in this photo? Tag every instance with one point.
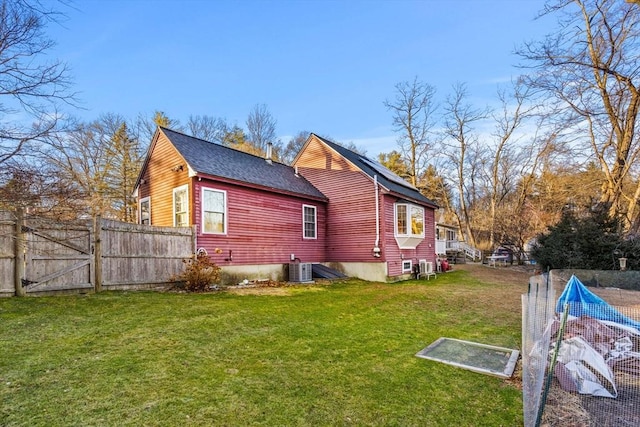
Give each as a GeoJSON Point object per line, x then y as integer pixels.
{"type": "Point", "coordinates": [500, 275]}
{"type": "Point", "coordinates": [521, 274]}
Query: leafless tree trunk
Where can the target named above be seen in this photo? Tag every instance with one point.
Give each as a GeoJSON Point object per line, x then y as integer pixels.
{"type": "Point", "coordinates": [505, 151]}
{"type": "Point", "coordinates": [413, 109]}
{"type": "Point", "coordinates": [28, 84]}
{"type": "Point", "coordinates": [461, 154]}
{"type": "Point", "coordinates": [261, 127]}
{"type": "Point", "coordinates": [209, 128]}
{"type": "Point", "coordinates": [591, 68]}
{"type": "Point", "coordinates": [102, 161]}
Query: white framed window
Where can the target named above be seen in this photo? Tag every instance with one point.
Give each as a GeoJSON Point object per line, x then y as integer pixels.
{"type": "Point", "coordinates": [181, 206]}
{"type": "Point", "coordinates": [144, 212]}
{"type": "Point", "coordinates": [309, 222]}
{"type": "Point", "coordinates": [407, 266]}
{"type": "Point", "coordinates": [409, 220]}
{"type": "Point", "coordinates": [214, 211]}
{"type": "Point", "coordinates": [408, 229]}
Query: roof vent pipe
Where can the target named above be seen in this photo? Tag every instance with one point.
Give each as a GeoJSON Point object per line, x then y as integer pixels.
{"type": "Point", "coordinates": [269, 152]}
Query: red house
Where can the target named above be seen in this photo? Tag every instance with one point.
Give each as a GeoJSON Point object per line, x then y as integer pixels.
{"type": "Point", "coordinates": [254, 215]}
{"type": "Point", "coordinates": [378, 225]}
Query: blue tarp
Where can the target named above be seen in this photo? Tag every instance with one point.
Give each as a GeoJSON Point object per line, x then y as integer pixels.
{"type": "Point", "coordinates": [583, 302]}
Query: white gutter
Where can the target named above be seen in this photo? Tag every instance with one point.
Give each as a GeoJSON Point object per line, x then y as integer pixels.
{"type": "Point", "coordinates": [376, 247]}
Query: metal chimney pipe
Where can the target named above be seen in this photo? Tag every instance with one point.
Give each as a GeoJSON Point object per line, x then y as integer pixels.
{"type": "Point", "coordinates": [269, 152]}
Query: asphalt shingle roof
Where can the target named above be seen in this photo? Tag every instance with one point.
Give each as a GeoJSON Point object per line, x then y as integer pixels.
{"type": "Point", "coordinates": [385, 177]}
{"type": "Point", "coordinates": [219, 161]}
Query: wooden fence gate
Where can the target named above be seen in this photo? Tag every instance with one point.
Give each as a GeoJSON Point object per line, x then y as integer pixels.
{"type": "Point", "coordinates": [58, 256]}
{"type": "Point", "coordinates": [40, 256]}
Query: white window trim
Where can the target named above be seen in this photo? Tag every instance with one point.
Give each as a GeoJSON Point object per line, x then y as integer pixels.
{"type": "Point", "coordinates": [173, 207]}
{"type": "Point", "coordinates": [315, 222]}
{"type": "Point", "coordinates": [226, 209]}
{"type": "Point", "coordinates": [395, 220]}
{"type": "Point", "coordinates": [410, 264]}
{"type": "Point", "coordinates": [143, 200]}
{"type": "Point", "coordinates": [408, 241]}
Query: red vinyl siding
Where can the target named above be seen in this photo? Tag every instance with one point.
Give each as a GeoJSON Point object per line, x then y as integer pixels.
{"type": "Point", "coordinates": [392, 253]}
{"type": "Point", "coordinates": [351, 220]}
{"type": "Point", "coordinates": [262, 227]}
{"type": "Point", "coordinates": [351, 211]}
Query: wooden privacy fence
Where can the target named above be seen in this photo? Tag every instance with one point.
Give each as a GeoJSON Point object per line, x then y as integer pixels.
{"type": "Point", "coordinates": [41, 256]}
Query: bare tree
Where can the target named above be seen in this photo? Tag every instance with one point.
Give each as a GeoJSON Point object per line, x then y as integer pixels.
{"type": "Point", "coordinates": [589, 70]}
{"type": "Point", "coordinates": [505, 152]}
{"type": "Point", "coordinates": [293, 147]}
{"type": "Point", "coordinates": [38, 190]}
{"type": "Point", "coordinates": [462, 152]}
{"type": "Point", "coordinates": [145, 126]}
{"type": "Point", "coordinates": [28, 84]}
{"type": "Point", "coordinates": [413, 110]}
{"type": "Point", "coordinates": [213, 129]}
{"type": "Point", "coordinates": [261, 128]}
{"type": "Point", "coordinates": [101, 160]}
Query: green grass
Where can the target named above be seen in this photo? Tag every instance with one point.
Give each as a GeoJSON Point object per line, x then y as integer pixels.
{"type": "Point", "coordinates": [339, 354]}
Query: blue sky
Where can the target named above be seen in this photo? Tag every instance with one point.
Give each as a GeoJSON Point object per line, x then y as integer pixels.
{"type": "Point", "coordinates": [319, 65]}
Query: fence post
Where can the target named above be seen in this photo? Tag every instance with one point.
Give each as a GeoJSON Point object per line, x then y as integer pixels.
{"type": "Point", "coordinates": [97, 252]}
{"type": "Point", "coordinates": [19, 248]}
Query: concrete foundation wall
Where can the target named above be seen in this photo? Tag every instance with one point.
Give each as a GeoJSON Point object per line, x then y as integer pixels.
{"type": "Point", "coordinates": [234, 274]}
{"type": "Point", "coordinates": [372, 271]}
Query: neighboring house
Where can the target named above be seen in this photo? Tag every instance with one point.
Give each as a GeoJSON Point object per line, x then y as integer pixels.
{"type": "Point", "coordinates": [447, 242]}
{"type": "Point", "coordinates": [446, 239]}
{"type": "Point", "coordinates": [378, 225]}
{"type": "Point", "coordinates": [450, 246]}
{"type": "Point", "coordinates": [251, 214]}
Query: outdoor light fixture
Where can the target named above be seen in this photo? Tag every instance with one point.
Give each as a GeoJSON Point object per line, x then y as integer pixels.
{"type": "Point", "coordinates": [623, 263]}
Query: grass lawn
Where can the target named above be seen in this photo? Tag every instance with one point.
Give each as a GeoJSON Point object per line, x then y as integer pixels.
{"type": "Point", "coordinates": [335, 354]}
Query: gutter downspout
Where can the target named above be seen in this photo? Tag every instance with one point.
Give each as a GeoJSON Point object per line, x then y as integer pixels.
{"type": "Point", "coordinates": [376, 246]}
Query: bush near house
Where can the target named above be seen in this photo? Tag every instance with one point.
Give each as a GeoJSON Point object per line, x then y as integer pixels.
{"type": "Point", "coordinates": [199, 274]}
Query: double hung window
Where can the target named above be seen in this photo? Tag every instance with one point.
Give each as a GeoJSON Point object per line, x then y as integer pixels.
{"type": "Point", "coordinates": [144, 215]}
{"type": "Point", "coordinates": [309, 222]}
{"type": "Point", "coordinates": [181, 206]}
{"type": "Point", "coordinates": [214, 211]}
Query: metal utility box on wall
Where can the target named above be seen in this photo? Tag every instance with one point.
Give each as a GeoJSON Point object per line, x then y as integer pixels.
{"type": "Point", "coordinates": [300, 272]}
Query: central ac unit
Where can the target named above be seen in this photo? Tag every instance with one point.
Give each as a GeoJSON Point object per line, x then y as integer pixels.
{"type": "Point", "coordinates": [300, 272]}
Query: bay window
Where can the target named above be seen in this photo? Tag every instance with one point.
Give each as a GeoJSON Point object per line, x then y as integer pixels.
{"type": "Point", "coordinates": [409, 225]}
